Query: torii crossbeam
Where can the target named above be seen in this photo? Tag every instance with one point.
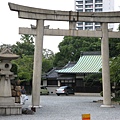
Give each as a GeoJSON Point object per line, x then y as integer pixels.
{"type": "Point", "coordinates": [40, 15]}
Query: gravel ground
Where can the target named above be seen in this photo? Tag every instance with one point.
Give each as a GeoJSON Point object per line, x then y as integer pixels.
{"type": "Point", "coordinates": [68, 108]}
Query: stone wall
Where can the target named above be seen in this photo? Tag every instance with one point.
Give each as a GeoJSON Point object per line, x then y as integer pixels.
{"type": "Point", "coordinates": [16, 92]}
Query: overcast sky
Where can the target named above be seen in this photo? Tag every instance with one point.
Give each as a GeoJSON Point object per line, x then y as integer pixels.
{"type": "Point", "coordinates": [10, 22]}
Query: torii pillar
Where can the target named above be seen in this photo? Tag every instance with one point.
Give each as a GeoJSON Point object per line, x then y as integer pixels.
{"type": "Point", "coordinates": [37, 64]}
{"type": "Point", "coordinates": [105, 67]}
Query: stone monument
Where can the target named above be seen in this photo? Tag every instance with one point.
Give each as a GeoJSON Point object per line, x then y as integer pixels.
{"type": "Point", "coordinates": [7, 102]}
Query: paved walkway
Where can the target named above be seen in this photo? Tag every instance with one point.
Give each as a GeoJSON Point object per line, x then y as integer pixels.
{"type": "Point", "coordinates": [68, 108]}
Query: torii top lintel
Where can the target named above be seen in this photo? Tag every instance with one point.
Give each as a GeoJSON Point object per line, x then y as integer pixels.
{"type": "Point", "coordinates": [57, 15]}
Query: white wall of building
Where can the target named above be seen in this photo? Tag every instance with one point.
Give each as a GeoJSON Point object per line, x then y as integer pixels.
{"type": "Point", "coordinates": [94, 6]}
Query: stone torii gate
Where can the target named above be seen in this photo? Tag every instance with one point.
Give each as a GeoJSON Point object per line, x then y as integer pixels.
{"type": "Point", "coordinates": [39, 31]}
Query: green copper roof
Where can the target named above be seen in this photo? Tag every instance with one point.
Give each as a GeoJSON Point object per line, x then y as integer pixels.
{"type": "Point", "coordinates": [85, 64]}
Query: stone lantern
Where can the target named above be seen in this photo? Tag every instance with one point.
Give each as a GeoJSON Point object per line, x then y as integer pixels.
{"type": "Point", "coordinates": [7, 102]}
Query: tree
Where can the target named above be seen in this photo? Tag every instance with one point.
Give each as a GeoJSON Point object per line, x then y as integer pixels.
{"type": "Point", "coordinates": [47, 53]}
{"type": "Point", "coordinates": [114, 45]}
{"type": "Point", "coordinates": [24, 67]}
{"type": "Point", "coordinates": [25, 47]}
{"type": "Point", "coordinates": [115, 63]}
{"type": "Point", "coordinates": [115, 69]}
{"type": "Point", "coordinates": [93, 79]}
{"type": "Point", "coordinates": [47, 60]}
{"type": "Point", "coordinates": [71, 47]}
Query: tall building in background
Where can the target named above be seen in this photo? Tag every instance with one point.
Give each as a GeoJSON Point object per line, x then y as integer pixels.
{"type": "Point", "coordinates": [93, 6]}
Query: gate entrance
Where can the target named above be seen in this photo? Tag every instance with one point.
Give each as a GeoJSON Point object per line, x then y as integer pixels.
{"type": "Point", "coordinates": [40, 15]}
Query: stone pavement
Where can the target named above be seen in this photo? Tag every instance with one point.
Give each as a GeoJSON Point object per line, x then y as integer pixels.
{"type": "Point", "coordinates": [68, 108]}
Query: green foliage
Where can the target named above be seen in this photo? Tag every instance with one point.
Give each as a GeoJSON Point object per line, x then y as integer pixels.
{"type": "Point", "coordinates": [25, 47]}
{"type": "Point", "coordinates": [115, 60]}
{"type": "Point", "coordinates": [115, 69]}
{"type": "Point", "coordinates": [116, 99]}
{"type": "Point", "coordinates": [48, 54]}
{"type": "Point", "coordinates": [47, 60]}
{"type": "Point", "coordinates": [93, 79]}
{"type": "Point", "coordinates": [60, 60]}
{"type": "Point", "coordinates": [46, 65]}
{"type": "Point", "coordinates": [114, 47]}
{"type": "Point", "coordinates": [14, 69]}
{"type": "Point", "coordinates": [71, 47]}
{"type": "Point", "coordinates": [25, 67]}
{"type": "Point", "coordinates": [117, 94]}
